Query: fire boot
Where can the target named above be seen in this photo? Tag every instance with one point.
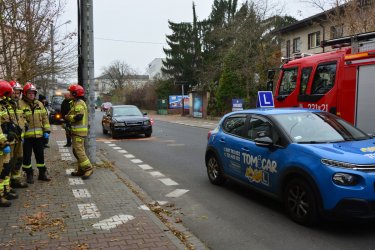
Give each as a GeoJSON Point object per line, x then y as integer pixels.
{"type": "Point", "coordinates": [4, 202]}
{"type": "Point", "coordinates": [9, 193]}
{"type": "Point", "coordinates": [78, 172]}
{"type": "Point", "coordinates": [29, 175]}
{"type": "Point", "coordinates": [43, 174]}
{"type": "Point", "coordinates": [88, 172]}
{"type": "Point", "coordinates": [16, 183]}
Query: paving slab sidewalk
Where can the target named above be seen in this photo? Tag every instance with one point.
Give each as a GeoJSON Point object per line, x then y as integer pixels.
{"type": "Point", "coordinates": [68, 213]}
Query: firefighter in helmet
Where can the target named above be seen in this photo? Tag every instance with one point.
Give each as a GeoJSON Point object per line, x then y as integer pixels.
{"type": "Point", "coordinates": [16, 150]}
{"type": "Point", "coordinates": [5, 139]}
{"type": "Point", "coordinates": [78, 118]}
{"type": "Point", "coordinates": [37, 130]}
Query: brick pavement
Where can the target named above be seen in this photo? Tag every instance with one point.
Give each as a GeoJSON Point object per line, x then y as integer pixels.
{"type": "Point", "coordinates": [67, 213]}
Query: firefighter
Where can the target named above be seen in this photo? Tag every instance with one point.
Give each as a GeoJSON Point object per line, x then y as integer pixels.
{"type": "Point", "coordinates": [37, 130]}
{"type": "Point", "coordinates": [5, 140]}
{"type": "Point", "coordinates": [17, 151]}
{"type": "Point", "coordinates": [78, 118]}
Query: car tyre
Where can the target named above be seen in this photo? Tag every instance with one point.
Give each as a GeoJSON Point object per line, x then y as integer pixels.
{"type": "Point", "coordinates": [147, 134]}
{"type": "Point", "coordinates": [104, 130]}
{"type": "Point", "coordinates": [114, 134]}
{"type": "Point", "coordinates": [301, 203]}
{"type": "Point", "coordinates": [214, 170]}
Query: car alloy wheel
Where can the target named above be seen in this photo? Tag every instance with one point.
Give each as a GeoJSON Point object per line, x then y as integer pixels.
{"type": "Point", "coordinates": [300, 202]}
{"type": "Point", "coordinates": [214, 170]}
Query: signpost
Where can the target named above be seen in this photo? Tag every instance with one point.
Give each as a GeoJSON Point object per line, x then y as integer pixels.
{"type": "Point", "coordinates": [265, 99]}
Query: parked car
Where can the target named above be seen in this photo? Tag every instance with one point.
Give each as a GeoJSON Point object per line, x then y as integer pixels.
{"type": "Point", "coordinates": [314, 162]}
{"type": "Point", "coordinates": [122, 120]}
{"type": "Point", "coordinates": [54, 107]}
{"type": "Point", "coordinates": [105, 106]}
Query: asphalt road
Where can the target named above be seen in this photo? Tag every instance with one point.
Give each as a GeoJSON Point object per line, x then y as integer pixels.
{"type": "Point", "coordinates": [227, 217]}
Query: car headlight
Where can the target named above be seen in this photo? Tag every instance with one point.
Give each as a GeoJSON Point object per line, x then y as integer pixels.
{"type": "Point", "coordinates": [345, 179]}
{"type": "Point", "coordinates": [147, 123]}
{"type": "Point", "coordinates": [118, 124]}
{"type": "Point", "coordinates": [339, 164]}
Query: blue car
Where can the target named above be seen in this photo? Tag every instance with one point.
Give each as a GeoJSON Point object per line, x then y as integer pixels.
{"type": "Point", "coordinates": [314, 162]}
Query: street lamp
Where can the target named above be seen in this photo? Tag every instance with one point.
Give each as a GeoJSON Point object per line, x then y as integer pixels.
{"type": "Point", "coordinates": [53, 50]}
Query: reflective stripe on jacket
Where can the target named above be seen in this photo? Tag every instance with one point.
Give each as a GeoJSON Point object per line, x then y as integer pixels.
{"type": "Point", "coordinates": [36, 118]}
{"type": "Point", "coordinates": [79, 128]}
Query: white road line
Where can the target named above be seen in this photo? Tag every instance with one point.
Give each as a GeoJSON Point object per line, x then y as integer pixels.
{"type": "Point", "coordinates": [81, 193]}
{"type": "Point", "coordinates": [67, 158]}
{"type": "Point", "coordinates": [88, 211]}
{"type": "Point", "coordinates": [129, 156]}
{"type": "Point", "coordinates": [137, 161]}
{"type": "Point", "coordinates": [156, 174]}
{"type": "Point", "coordinates": [65, 154]}
{"type": "Point", "coordinates": [122, 151]}
{"type": "Point", "coordinates": [69, 171]}
{"type": "Point", "coordinates": [162, 202]}
{"type": "Point", "coordinates": [145, 166]}
{"type": "Point", "coordinates": [113, 222]}
{"type": "Point", "coordinates": [75, 181]}
{"type": "Point", "coordinates": [144, 207]}
{"type": "Point", "coordinates": [107, 142]}
{"type": "Point", "coordinates": [168, 182]}
{"type": "Point", "coordinates": [63, 150]}
{"type": "Point", "coordinates": [116, 147]}
{"type": "Point", "coordinates": [112, 145]}
{"type": "Point", "coordinates": [177, 193]}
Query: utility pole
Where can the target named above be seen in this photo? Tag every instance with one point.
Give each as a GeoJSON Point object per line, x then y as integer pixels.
{"type": "Point", "coordinates": [52, 55]}
{"type": "Point", "coordinates": [86, 67]}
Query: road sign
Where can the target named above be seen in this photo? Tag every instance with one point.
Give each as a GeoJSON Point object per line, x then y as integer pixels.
{"type": "Point", "coordinates": [265, 99]}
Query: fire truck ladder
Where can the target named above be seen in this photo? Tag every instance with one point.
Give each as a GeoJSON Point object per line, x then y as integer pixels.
{"type": "Point", "coordinates": [356, 41]}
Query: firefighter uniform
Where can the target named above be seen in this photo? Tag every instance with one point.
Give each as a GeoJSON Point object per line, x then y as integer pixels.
{"type": "Point", "coordinates": [17, 151]}
{"type": "Point", "coordinates": [37, 130]}
{"type": "Point", "coordinates": [5, 139]}
{"type": "Point", "coordinates": [78, 118]}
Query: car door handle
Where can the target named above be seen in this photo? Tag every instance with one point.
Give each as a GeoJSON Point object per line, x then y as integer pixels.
{"type": "Point", "coordinates": [222, 140]}
{"type": "Point", "coordinates": [246, 149]}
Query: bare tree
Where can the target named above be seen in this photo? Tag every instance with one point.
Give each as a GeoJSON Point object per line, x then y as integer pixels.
{"type": "Point", "coordinates": [356, 16]}
{"type": "Point", "coordinates": [25, 40]}
{"type": "Point", "coordinates": [118, 74]}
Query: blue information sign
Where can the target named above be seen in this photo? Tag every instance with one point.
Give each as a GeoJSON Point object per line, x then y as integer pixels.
{"type": "Point", "coordinates": [265, 99]}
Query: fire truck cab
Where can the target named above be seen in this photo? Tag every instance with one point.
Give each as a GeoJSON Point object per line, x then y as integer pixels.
{"type": "Point", "coordinates": [341, 82]}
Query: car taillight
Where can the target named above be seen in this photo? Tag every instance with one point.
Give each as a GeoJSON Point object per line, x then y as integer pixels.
{"type": "Point", "coordinates": [209, 135]}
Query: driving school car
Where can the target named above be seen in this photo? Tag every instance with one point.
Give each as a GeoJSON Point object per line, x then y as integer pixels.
{"type": "Point", "coordinates": [314, 162]}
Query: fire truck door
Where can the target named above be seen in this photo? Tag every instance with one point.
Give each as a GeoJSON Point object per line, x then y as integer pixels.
{"type": "Point", "coordinates": [365, 112]}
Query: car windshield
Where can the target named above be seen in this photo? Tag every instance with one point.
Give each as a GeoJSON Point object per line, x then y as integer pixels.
{"type": "Point", "coordinates": [57, 100]}
{"type": "Point", "coordinates": [319, 127]}
{"type": "Point", "coordinates": [126, 111]}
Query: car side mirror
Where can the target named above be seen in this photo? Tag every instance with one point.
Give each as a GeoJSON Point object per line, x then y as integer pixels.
{"type": "Point", "coordinates": [263, 141]}
{"type": "Point", "coordinates": [144, 113]}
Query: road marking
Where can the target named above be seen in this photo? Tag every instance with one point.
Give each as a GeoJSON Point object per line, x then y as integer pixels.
{"type": "Point", "coordinates": [137, 161]}
{"type": "Point", "coordinates": [162, 202]}
{"type": "Point", "coordinates": [107, 142]}
{"type": "Point", "coordinates": [144, 207]}
{"type": "Point", "coordinates": [113, 222]}
{"type": "Point", "coordinates": [168, 182]}
{"type": "Point", "coordinates": [67, 158]}
{"type": "Point", "coordinates": [122, 151]}
{"type": "Point", "coordinates": [112, 145]}
{"type": "Point", "coordinates": [63, 150]}
{"type": "Point", "coordinates": [81, 193]}
{"type": "Point", "coordinates": [69, 171]}
{"type": "Point", "coordinates": [75, 181]}
{"type": "Point", "coordinates": [116, 147]}
{"type": "Point", "coordinates": [177, 193]}
{"type": "Point", "coordinates": [88, 211]}
{"type": "Point", "coordinates": [156, 174]}
{"type": "Point", "coordinates": [65, 154]}
{"type": "Point", "coordinates": [129, 156]}
{"type": "Point", "coordinates": [145, 166]}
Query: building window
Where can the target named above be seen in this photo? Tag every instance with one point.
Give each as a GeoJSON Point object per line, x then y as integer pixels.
{"type": "Point", "coordinates": [288, 49]}
{"type": "Point", "coordinates": [337, 31]}
{"type": "Point", "coordinates": [314, 40]}
{"type": "Point", "coordinates": [296, 45]}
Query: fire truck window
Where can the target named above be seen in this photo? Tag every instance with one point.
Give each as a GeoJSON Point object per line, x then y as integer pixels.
{"type": "Point", "coordinates": [305, 76]}
{"type": "Point", "coordinates": [324, 79]}
{"type": "Point", "coordinates": [288, 82]}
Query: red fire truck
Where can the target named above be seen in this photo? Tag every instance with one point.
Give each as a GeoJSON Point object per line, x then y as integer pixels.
{"type": "Point", "coordinates": [341, 82]}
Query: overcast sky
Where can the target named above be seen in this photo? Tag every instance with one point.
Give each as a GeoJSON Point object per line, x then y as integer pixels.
{"type": "Point", "coordinates": [134, 31]}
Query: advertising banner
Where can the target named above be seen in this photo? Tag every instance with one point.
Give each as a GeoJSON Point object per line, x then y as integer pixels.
{"type": "Point", "coordinates": [197, 106]}
{"type": "Point", "coordinates": [175, 102]}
